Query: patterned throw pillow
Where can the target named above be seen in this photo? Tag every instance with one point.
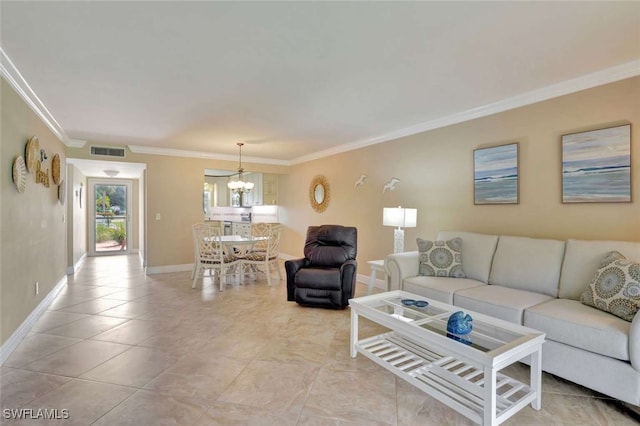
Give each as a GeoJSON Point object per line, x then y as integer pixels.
{"type": "Point", "coordinates": [441, 258]}
{"type": "Point", "coordinates": [616, 287]}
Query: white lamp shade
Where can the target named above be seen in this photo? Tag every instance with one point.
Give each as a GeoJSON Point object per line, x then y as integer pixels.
{"type": "Point", "coordinates": [234, 184]}
{"type": "Point", "coordinates": [237, 185]}
{"type": "Point", "coordinates": [400, 217]}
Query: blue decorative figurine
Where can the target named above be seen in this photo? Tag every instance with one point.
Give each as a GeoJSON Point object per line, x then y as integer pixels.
{"type": "Point", "coordinates": [459, 323]}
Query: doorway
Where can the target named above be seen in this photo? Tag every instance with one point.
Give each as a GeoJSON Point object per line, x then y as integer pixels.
{"type": "Point", "coordinates": [110, 208]}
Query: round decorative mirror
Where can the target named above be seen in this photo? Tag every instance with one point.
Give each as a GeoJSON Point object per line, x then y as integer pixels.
{"type": "Point", "coordinates": [319, 193]}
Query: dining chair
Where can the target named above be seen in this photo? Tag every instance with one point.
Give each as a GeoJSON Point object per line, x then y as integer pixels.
{"type": "Point", "coordinates": [214, 224]}
{"type": "Point", "coordinates": [210, 253]}
{"type": "Point", "coordinates": [260, 229]}
{"type": "Point", "coordinates": [265, 255]}
{"type": "Point", "coordinates": [194, 231]}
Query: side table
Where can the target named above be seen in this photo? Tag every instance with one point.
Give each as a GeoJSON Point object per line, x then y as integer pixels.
{"type": "Point", "coordinates": [376, 266]}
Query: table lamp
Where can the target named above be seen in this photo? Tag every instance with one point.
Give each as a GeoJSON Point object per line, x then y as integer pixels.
{"type": "Point", "coordinates": [402, 218]}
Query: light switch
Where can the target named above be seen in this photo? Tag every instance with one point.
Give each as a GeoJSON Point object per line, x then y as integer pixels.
{"type": "Point", "coordinates": [157, 216]}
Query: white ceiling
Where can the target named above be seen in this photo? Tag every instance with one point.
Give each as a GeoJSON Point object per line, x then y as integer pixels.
{"type": "Point", "coordinates": [103, 169]}
{"type": "Point", "coordinates": [299, 80]}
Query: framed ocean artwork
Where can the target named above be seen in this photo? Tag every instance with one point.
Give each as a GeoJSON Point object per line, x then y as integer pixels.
{"type": "Point", "coordinates": [495, 175]}
{"type": "Point", "coordinates": [596, 166]}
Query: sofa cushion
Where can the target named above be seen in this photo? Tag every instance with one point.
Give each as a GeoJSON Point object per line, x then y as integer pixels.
{"type": "Point", "coordinates": [477, 252]}
{"type": "Point", "coordinates": [499, 302]}
{"type": "Point", "coordinates": [615, 288]}
{"type": "Point", "coordinates": [572, 323]}
{"type": "Point", "coordinates": [440, 258]}
{"type": "Point", "coordinates": [581, 260]}
{"type": "Point", "coordinates": [530, 264]}
{"type": "Point", "coordinates": [439, 288]}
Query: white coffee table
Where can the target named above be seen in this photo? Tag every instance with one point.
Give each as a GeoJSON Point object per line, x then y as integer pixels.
{"type": "Point", "coordinates": [464, 376]}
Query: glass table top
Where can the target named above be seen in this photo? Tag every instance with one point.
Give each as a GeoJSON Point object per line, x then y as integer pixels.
{"type": "Point", "coordinates": [487, 333]}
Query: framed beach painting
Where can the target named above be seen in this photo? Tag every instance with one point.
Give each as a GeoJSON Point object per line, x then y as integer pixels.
{"type": "Point", "coordinates": [495, 175]}
{"type": "Point", "coordinates": [596, 166]}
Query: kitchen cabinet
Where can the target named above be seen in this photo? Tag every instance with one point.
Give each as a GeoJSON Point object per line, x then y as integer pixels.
{"type": "Point", "coordinates": [269, 189]}
{"type": "Point", "coordinates": [242, 229]}
{"type": "Point", "coordinates": [264, 192]}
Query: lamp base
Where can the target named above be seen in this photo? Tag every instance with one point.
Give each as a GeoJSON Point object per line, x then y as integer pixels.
{"type": "Point", "coordinates": [398, 240]}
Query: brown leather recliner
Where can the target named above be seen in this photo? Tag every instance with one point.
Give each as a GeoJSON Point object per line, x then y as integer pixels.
{"type": "Point", "coordinates": [326, 276]}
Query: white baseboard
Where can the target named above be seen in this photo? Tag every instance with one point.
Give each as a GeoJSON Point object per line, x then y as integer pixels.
{"type": "Point", "coordinates": [12, 342]}
{"type": "Point", "coordinates": [381, 284]}
{"type": "Point", "coordinates": [72, 269]}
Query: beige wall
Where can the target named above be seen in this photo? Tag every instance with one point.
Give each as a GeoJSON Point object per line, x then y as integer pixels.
{"type": "Point", "coordinates": [141, 202]}
{"type": "Point", "coordinates": [33, 224]}
{"type": "Point", "coordinates": [77, 216]}
{"type": "Point", "coordinates": [435, 169]}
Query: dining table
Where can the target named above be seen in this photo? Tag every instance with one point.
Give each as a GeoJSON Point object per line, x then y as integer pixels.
{"type": "Point", "coordinates": [240, 241]}
{"type": "Point", "coordinates": [239, 245]}
{"type": "Point", "coordinates": [235, 244]}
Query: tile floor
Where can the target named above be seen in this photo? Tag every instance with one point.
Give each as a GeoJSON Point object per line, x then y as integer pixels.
{"type": "Point", "coordinates": [117, 347]}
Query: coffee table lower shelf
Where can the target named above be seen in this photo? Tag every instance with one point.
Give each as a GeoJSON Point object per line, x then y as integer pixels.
{"type": "Point", "coordinates": [456, 383]}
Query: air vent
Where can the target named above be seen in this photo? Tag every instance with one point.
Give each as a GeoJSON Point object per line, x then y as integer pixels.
{"type": "Point", "coordinates": [107, 152]}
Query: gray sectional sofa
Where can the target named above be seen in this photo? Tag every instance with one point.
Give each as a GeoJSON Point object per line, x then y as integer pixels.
{"type": "Point", "coordinates": [538, 283]}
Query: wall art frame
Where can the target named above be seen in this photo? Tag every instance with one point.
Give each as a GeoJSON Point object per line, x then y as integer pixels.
{"type": "Point", "coordinates": [596, 166]}
{"type": "Point", "coordinates": [496, 178]}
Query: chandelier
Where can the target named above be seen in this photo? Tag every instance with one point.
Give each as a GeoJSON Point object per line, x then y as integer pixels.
{"type": "Point", "coordinates": [240, 186]}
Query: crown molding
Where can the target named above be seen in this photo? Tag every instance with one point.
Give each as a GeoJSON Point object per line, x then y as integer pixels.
{"type": "Point", "coordinates": [588, 81]}
{"type": "Point", "coordinates": [10, 73]}
{"type": "Point", "coordinates": [139, 149]}
{"type": "Point", "coordinates": [609, 75]}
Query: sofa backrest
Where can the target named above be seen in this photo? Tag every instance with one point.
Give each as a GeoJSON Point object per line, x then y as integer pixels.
{"type": "Point", "coordinates": [477, 252]}
{"type": "Point", "coordinates": [581, 260]}
{"type": "Point", "coordinates": [531, 264]}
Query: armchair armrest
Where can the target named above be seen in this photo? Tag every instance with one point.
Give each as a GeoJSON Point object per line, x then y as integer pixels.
{"type": "Point", "coordinates": [400, 266]}
{"type": "Point", "coordinates": [348, 278]}
{"type": "Point", "coordinates": [634, 342]}
{"type": "Point", "coordinates": [292, 267]}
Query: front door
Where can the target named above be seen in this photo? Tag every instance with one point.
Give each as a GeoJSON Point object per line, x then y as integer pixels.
{"type": "Point", "coordinates": [109, 210]}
